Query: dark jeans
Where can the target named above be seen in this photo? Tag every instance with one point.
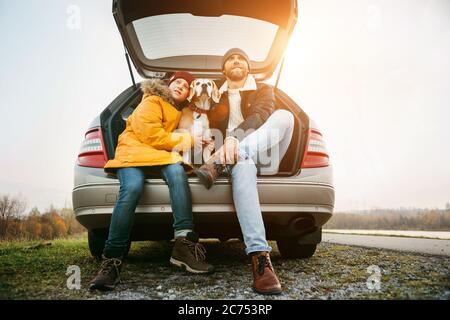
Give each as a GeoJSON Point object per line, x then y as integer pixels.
{"type": "Point", "coordinates": [131, 187]}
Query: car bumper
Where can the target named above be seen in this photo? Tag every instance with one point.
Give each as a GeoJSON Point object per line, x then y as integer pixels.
{"type": "Point", "coordinates": [283, 199]}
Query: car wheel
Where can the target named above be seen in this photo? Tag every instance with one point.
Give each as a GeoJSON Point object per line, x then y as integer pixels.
{"type": "Point", "coordinates": [96, 241]}
{"type": "Point", "coordinates": [290, 248]}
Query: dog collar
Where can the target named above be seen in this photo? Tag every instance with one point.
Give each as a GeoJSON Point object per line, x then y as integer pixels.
{"type": "Point", "coordinates": [197, 109]}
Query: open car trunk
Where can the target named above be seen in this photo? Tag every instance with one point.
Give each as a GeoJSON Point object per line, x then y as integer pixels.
{"type": "Point", "coordinates": [166, 36]}
{"type": "Point", "coordinates": [113, 121]}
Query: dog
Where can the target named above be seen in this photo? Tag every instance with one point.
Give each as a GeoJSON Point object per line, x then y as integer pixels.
{"type": "Point", "coordinates": [194, 118]}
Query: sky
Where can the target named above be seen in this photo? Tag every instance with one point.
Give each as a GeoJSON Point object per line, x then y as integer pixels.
{"type": "Point", "coordinates": [374, 76]}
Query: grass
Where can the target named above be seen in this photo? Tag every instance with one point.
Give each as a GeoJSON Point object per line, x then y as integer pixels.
{"type": "Point", "coordinates": [40, 273]}
{"type": "Point", "coordinates": [22, 270]}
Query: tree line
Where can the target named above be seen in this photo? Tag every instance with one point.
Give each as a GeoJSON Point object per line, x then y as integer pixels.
{"type": "Point", "coordinates": [430, 220]}
{"type": "Point", "coordinates": [50, 224]}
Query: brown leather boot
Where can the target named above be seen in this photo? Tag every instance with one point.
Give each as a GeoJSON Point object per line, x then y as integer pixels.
{"type": "Point", "coordinates": [208, 173]}
{"type": "Point", "coordinates": [265, 280]}
{"type": "Point", "coordinates": [108, 276]}
{"type": "Point", "coordinates": [189, 254]}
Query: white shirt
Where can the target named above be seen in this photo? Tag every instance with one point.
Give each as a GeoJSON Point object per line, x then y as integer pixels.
{"type": "Point", "coordinates": [234, 99]}
{"type": "Point", "coordinates": [235, 117]}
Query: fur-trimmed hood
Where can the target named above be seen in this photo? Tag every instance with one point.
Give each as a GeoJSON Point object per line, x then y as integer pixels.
{"type": "Point", "coordinates": [149, 138]}
{"type": "Point", "coordinates": [157, 87]}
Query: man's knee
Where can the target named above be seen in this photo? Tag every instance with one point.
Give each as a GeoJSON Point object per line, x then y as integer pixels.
{"type": "Point", "coordinates": [284, 118]}
{"type": "Point", "coordinates": [244, 170]}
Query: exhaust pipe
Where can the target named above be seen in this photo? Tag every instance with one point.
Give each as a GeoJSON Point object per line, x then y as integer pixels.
{"type": "Point", "coordinates": [300, 226]}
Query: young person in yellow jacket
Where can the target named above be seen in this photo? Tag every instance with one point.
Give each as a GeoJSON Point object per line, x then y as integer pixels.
{"type": "Point", "coordinates": [149, 144]}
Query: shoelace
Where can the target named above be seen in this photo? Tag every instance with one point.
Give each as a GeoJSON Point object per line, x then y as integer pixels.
{"type": "Point", "coordinates": [263, 262]}
{"type": "Point", "coordinates": [197, 249]}
{"type": "Point", "coordinates": [108, 264]}
{"type": "Point", "coordinates": [227, 170]}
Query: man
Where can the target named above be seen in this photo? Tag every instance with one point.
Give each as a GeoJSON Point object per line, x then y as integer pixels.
{"type": "Point", "coordinates": [246, 106]}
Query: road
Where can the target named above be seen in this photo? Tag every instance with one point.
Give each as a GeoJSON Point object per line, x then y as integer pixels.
{"type": "Point", "coordinates": [417, 245]}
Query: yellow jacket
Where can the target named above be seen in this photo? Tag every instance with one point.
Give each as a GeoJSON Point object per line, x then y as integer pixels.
{"type": "Point", "coordinates": [148, 139]}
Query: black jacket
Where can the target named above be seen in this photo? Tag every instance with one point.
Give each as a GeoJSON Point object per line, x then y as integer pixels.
{"type": "Point", "coordinates": [256, 107]}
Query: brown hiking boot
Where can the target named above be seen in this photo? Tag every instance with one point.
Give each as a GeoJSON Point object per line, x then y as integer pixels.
{"type": "Point", "coordinates": [188, 253]}
{"type": "Point", "coordinates": [265, 280]}
{"type": "Point", "coordinates": [208, 173]}
{"type": "Point", "coordinates": [108, 276]}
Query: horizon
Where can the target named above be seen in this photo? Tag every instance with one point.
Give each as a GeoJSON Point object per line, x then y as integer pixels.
{"type": "Point", "coordinates": [356, 211]}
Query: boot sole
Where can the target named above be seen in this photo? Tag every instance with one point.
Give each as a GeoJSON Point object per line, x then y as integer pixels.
{"type": "Point", "coordinates": [181, 264]}
{"type": "Point", "coordinates": [204, 180]}
{"type": "Point", "coordinates": [104, 287]}
{"type": "Point", "coordinates": [268, 293]}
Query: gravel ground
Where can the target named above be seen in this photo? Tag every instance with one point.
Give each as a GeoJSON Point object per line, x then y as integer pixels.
{"type": "Point", "coordinates": [334, 272]}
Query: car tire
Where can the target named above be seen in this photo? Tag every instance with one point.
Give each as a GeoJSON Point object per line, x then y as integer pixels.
{"type": "Point", "coordinates": [96, 241]}
{"type": "Point", "coordinates": [290, 248]}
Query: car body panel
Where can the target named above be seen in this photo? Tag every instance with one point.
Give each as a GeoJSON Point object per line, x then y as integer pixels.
{"type": "Point", "coordinates": [283, 199]}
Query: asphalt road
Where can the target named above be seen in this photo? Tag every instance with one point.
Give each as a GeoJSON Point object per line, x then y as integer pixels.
{"type": "Point", "coordinates": [417, 245]}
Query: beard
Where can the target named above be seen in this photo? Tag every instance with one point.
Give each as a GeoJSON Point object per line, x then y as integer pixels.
{"type": "Point", "coordinates": [236, 74]}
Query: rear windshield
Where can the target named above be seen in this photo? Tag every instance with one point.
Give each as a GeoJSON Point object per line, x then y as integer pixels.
{"type": "Point", "coordinates": [173, 35]}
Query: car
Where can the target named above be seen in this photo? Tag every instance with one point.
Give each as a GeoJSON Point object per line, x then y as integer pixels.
{"type": "Point", "coordinates": [161, 37]}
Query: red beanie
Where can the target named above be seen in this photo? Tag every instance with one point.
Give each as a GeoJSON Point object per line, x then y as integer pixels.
{"type": "Point", "coordinates": [183, 75]}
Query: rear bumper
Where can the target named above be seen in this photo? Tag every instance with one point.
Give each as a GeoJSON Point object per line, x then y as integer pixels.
{"type": "Point", "coordinates": [309, 196]}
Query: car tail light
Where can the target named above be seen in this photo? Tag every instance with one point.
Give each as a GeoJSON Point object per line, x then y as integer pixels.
{"type": "Point", "coordinates": [92, 151]}
{"type": "Point", "coordinates": [316, 154]}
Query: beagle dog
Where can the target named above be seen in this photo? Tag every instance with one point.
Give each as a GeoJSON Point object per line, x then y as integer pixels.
{"type": "Point", "coordinates": [194, 118]}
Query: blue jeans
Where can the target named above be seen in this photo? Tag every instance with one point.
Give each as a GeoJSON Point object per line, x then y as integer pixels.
{"type": "Point", "coordinates": [248, 208]}
{"type": "Point", "coordinates": [274, 135]}
{"type": "Point", "coordinates": [131, 186]}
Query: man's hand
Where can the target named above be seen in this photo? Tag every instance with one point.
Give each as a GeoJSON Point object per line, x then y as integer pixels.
{"type": "Point", "coordinates": [207, 141]}
{"type": "Point", "coordinates": [229, 152]}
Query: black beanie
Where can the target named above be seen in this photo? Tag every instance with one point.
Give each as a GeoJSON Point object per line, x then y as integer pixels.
{"type": "Point", "coordinates": [238, 51]}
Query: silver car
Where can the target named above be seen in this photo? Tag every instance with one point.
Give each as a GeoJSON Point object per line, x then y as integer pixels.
{"type": "Point", "coordinates": [161, 37]}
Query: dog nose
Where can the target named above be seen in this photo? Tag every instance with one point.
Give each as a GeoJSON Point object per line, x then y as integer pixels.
{"type": "Point", "coordinates": [204, 86]}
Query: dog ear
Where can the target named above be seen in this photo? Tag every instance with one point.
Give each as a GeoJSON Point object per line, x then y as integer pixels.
{"type": "Point", "coordinates": [191, 91]}
{"type": "Point", "coordinates": [216, 93]}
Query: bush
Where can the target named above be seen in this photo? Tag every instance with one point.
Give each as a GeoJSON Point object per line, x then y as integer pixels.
{"type": "Point", "coordinates": [53, 223]}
